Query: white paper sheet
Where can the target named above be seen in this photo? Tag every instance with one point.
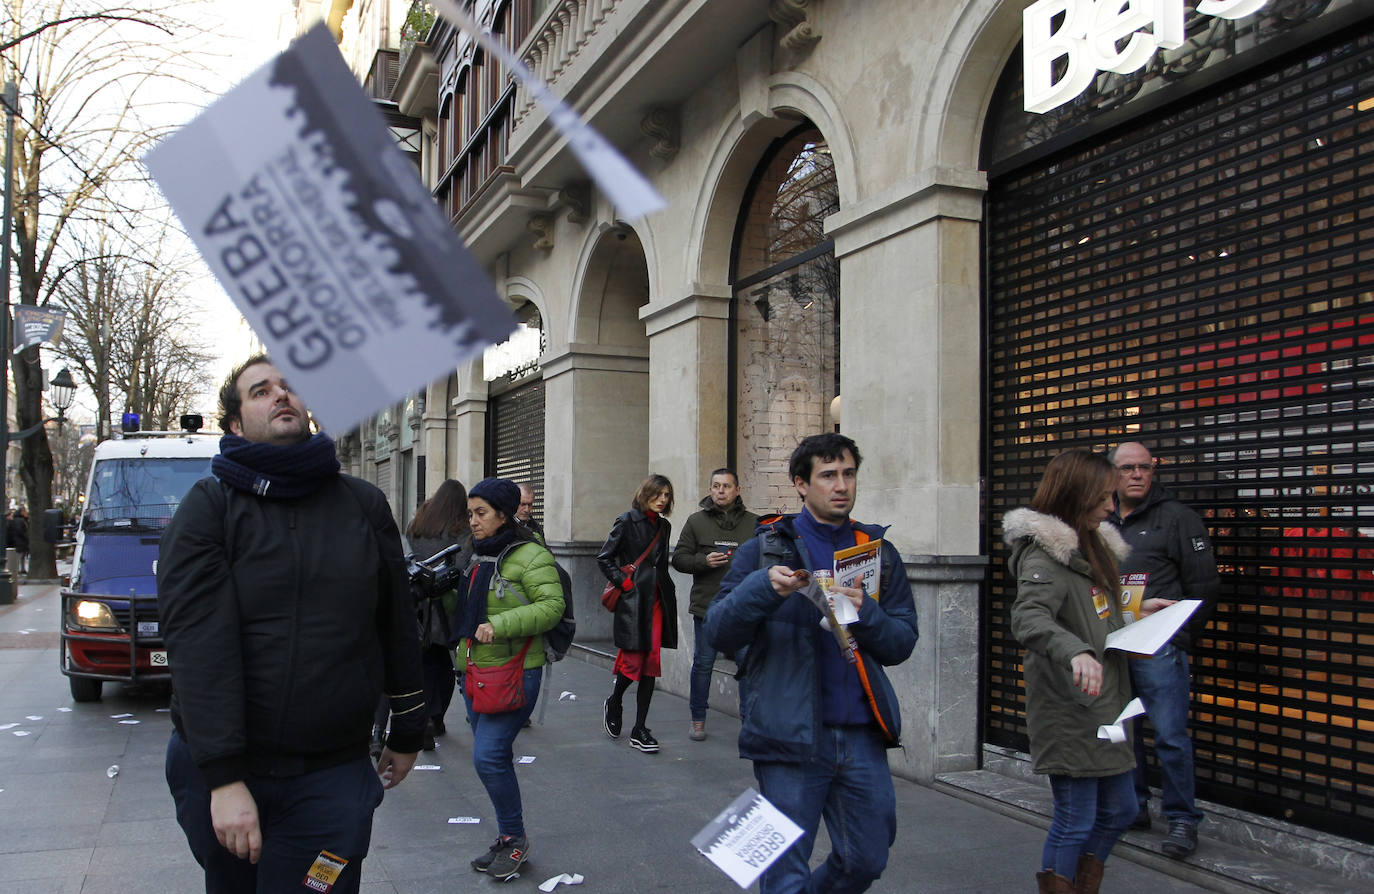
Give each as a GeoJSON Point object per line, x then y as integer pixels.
{"type": "Point", "coordinates": [1148, 635]}
{"type": "Point", "coordinates": [1116, 730]}
{"type": "Point", "coordinates": [323, 234]}
{"type": "Point", "coordinates": [746, 837]}
{"type": "Point", "coordinates": [632, 195]}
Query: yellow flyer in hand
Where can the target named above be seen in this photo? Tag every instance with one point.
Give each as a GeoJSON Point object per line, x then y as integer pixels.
{"type": "Point", "coordinates": [1132, 594]}
{"type": "Point", "coordinates": [860, 566]}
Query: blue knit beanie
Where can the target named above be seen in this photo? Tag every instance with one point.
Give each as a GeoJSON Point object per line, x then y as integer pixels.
{"type": "Point", "coordinates": [502, 493]}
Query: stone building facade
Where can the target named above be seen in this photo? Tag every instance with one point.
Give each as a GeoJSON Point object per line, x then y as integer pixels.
{"type": "Point", "coordinates": [840, 248]}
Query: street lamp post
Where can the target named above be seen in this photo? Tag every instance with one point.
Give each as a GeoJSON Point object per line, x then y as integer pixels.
{"type": "Point", "coordinates": [11, 107]}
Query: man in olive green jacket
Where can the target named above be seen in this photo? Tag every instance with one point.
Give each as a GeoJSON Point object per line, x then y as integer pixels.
{"type": "Point", "coordinates": [704, 550]}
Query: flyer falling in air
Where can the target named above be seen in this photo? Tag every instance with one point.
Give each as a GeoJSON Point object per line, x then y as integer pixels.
{"type": "Point", "coordinates": [321, 231]}
{"type": "Point", "coordinates": [1116, 730]}
{"type": "Point", "coordinates": [747, 837]}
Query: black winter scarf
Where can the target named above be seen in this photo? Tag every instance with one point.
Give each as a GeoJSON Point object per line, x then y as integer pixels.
{"type": "Point", "coordinates": [275, 471]}
{"type": "Point", "coordinates": [472, 598]}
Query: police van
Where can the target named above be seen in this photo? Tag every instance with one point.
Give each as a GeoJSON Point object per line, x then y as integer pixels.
{"type": "Point", "coordinates": [110, 628]}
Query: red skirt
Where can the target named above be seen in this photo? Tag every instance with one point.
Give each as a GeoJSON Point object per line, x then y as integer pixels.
{"type": "Point", "coordinates": [644, 664]}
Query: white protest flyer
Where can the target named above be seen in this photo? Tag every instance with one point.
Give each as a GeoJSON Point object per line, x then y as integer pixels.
{"type": "Point", "coordinates": [1116, 730]}
{"type": "Point", "coordinates": [746, 837]}
{"type": "Point", "coordinates": [320, 230]}
{"type": "Point", "coordinates": [1148, 635]}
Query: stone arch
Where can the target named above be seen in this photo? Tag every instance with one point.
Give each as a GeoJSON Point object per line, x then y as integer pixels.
{"type": "Point", "coordinates": [961, 81]}
{"type": "Point", "coordinates": [738, 148]}
{"type": "Point", "coordinates": [612, 283]}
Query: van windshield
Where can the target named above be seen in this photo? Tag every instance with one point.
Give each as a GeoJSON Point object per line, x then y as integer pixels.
{"type": "Point", "coordinates": [139, 494]}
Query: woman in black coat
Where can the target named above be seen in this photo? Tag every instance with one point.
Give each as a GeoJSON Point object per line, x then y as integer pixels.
{"type": "Point", "coordinates": [440, 522]}
{"type": "Point", "coordinates": [646, 615]}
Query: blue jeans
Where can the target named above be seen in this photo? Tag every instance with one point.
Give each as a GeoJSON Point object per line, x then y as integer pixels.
{"type": "Point", "coordinates": [1090, 813]}
{"type": "Point", "coordinates": [327, 810]}
{"type": "Point", "coordinates": [1162, 683]}
{"type": "Point", "coordinates": [703, 660]}
{"type": "Point", "coordinates": [493, 757]}
{"type": "Point", "coordinates": [847, 782]}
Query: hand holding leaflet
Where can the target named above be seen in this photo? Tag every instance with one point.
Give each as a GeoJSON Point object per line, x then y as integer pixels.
{"type": "Point", "coordinates": [1148, 635]}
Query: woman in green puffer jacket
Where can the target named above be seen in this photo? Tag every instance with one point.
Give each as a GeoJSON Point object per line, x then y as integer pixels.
{"type": "Point", "coordinates": [510, 598]}
{"type": "Point", "coordinates": [1064, 560]}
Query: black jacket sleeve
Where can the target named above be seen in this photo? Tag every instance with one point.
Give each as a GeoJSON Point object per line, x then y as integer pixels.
{"type": "Point", "coordinates": [199, 619]}
{"type": "Point", "coordinates": [608, 560]}
{"type": "Point", "coordinates": [1197, 570]}
{"type": "Point", "coordinates": [398, 631]}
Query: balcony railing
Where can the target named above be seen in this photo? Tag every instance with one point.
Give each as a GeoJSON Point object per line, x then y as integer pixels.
{"type": "Point", "coordinates": [567, 26]}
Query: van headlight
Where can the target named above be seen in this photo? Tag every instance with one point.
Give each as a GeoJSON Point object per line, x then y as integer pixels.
{"type": "Point", "coordinates": [93, 615]}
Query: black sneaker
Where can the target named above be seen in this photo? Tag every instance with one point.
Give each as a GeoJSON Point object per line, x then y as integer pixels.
{"type": "Point", "coordinates": [508, 858]}
{"type": "Point", "coordinates": [483, 863]}
{"type": "Point", "coordinates": [1181, 840]}
{"type": "Point", "coordinates": [1141, 823]}
{"type": "Point", "coordinates": [641, 739]}
{"type": "Point", "coordinates": [438, 724]}
{"type": "Point", "coordinates": [612, 720]}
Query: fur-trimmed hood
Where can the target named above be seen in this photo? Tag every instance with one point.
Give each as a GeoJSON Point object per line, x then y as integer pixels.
{"type": "Point", "coordinates": [1056, 537]}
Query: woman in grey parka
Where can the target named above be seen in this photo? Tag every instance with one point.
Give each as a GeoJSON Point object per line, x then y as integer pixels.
{"type": "Point", "coordinates": [1064, 559]}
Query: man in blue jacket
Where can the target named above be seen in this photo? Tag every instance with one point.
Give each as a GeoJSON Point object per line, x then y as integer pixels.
{"type": "Point", "coordinates": [816, 719]}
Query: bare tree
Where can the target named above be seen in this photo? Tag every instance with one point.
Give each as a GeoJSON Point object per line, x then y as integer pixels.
{"type": "Point", "coordinates": [72, 449]}
{"type": "Point", "coordinates": [89, 106]}
{"type": "Point", "coordinates": [130, 330]}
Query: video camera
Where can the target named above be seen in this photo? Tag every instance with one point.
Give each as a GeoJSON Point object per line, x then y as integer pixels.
{"type": "Point", "coordinates": [435, 576]}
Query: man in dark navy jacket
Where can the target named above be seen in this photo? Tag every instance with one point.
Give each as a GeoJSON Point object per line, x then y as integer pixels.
{"type": "Point", "coordinates": [1171, 558]}
{"type": "Point", "coordinates": [816, 718]}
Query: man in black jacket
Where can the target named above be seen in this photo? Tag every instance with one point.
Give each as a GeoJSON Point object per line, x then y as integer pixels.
{"type": "Point", "coordinates": [285, 609]}
{"type": "Point", "coordinates": [708, 541]}
{"type": "Point", "coordinates": [1171, 558]}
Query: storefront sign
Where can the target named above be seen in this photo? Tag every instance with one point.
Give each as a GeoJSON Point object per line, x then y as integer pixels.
{"type": "Point", "coordinates": [1102, 35]}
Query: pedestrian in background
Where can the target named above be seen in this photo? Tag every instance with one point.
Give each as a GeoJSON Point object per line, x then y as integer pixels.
{"type": "Point", "coordinates": [709, 538]}
{"type": "Point", "coordinates": [1065, 563]}
{"type": "Point", "coordinates": [1170, 549]}
{"type": "Point", "coordinates": [511, 596]}
{"type": "Point", "coordinates": [440, 522]}
{"type": "Point", "coordinates": [525, 514]}
{"type": "Point", "coordinates": [645, 619]}
{"type": "Point", "coordinates": [18, 530]}
{"type": "Point", "coordinates": [285, 607]}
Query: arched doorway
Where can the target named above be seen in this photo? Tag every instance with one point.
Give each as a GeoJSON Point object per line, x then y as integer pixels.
{"type": "Point", "coordinates": [785, 316]}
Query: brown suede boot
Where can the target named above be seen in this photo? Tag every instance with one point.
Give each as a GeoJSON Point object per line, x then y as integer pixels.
{"type": "Point", "coordinates": [1088, 878]}
{"type": "Point", "coordinates": [1051, 882]}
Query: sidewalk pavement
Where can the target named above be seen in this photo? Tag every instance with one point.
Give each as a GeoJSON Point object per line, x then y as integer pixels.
{"type": "Point", "coordinates": [593, 806]}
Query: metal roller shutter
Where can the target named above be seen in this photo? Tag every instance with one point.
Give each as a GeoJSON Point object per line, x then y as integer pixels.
{"type": "Point", "coordinates": [1203, 281]}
